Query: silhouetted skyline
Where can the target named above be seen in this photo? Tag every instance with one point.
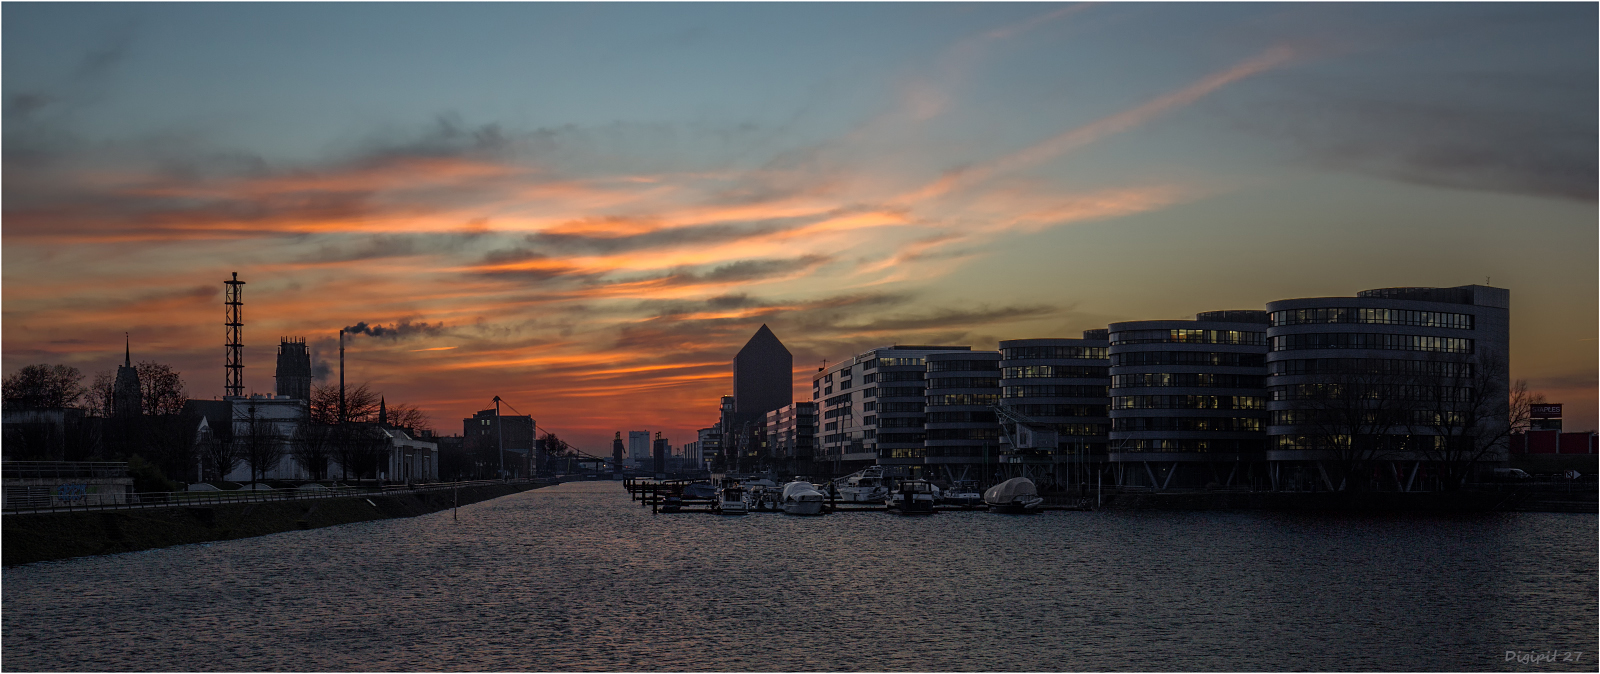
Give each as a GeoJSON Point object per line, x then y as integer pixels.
{"type": "Point", "coordinates": [587, 209]}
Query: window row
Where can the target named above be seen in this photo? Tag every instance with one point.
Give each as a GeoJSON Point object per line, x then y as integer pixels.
{"type": "Point", "coordinates": [1057, 352]}
{"type": "Point", "coordinates": [1042, 371]}
{"type": "Point", "coordinates": [1071, 431]}
{"type": "Point", "coordinates": [1038, 410]}
{"type": "Point", "coordinates": [901, 407]}
{"type": "Point", "coordinates": [837, 400]}
{"type": "Point", "coordinates": [1196, 424]}
{"type": "Point", "coordinates": [1416, 418]}
{"type": "Point", "coordinates": [903, 375]}
{"type": "Point", "coordinates": [963, 365]}
{"type": "Point", "coordinates": [901, 422]}
{"type": "Point", "coordinates": [898, 391]}
{"type": "Point", "coordinates": [1381, 444]}
{"type": "Point", "coordinates": [1211, 358]}
{"type": "Point", "coordinates": [837, 412]}
{"type": "Point", "coordinates": [1187, 445]}
{"type": "Point", "coordinates": [964, 382]}
{"type": "Point", "coordinates": [992, 434]}
{"type": "Point", "coordinates": [963, 399]}
{"type": "Point", "coordinates": [1374, 366]}
{"type": "Point", "coordinates": [1427, 319]}
{"type": "Point", "coordinates": [1195, 379]}
{"type": "Point", "coordinates": [892, 362]}
{"type": "Point", "coordinates": [1188, 336]}
{"type": "Point", "coordinates": [1333, 395]}
{"type": "Point", "coordinates": [980, 417]}
{"type": "Point", "coordinates": [902, 438]}
{"type": "Point", "coordinates": [1371, 340]}
{"type": "Point", "coordinates": [1055, 391]}
{"type": "Point", "coordinates": [1189, 403]}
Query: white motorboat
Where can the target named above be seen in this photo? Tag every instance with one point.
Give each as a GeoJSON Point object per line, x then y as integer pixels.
{"type": "Point", "coordinates": [1016, 495]}
{"type": "Point", "coordinates": [761, 498]}
{"type": "Point", "coordinates": [912, 497]}
{"type": "Point", "coordinates": [802, 498]}
{"type": "Point", "coordinates": [864, 487]}
{"type": "Point", "coordinates": [962, 493]}
{"type": "Point", "coordinates": [730, 500]}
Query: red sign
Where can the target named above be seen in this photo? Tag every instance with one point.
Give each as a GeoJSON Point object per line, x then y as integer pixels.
{"type": "Point", "coordinates": [1545, 411]}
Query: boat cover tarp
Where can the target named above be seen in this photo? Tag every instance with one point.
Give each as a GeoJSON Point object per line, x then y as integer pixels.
{"type": "Point", "coordinates": [1010, 490]}
{"type": "Point", "coordinates": [794, 490]}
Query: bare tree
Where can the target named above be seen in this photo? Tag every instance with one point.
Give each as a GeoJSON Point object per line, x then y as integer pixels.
{"type": "Point", "coordinates": [1355, 416]}
{"type": "Point", "coordinates": [314, 445]}
{"type": "Point", "coordinates": [359, 449]}
{"type": "Point", "coordinates": [408, 416]}
{"type": "Point", "coordinates": [260, 445]}
{"type": "Point", "coordinates": [1469, 417]}
{"type": "Point", "coordinates": [43, 387]}
{"type": "Point", "coordinates": [160, 388]}
{"type": "Point", "coordinates": [220, 454]}
{"type": "Point", "coordinates": [100, 396]}
{"type": "Point", "coordinates": [360, 404]}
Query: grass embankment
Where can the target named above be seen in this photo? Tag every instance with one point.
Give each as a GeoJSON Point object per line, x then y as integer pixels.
{"type": "Point", "coordinates": [40, 537]}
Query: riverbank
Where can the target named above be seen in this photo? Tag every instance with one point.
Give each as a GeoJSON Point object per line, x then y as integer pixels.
{"type": "Point", "coordinates": [42, 537]}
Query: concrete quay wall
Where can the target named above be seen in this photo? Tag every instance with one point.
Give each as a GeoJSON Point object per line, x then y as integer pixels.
{"type": "Point", "coordinates": [1578, 500]}
{"type": "Point", "coordinates": [27, 538]}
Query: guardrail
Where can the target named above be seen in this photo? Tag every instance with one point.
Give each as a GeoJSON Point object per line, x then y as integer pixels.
{"type": "Point", "coordinates": [142, 500]}
{"type": "Point", "coordinates": [63, 469]}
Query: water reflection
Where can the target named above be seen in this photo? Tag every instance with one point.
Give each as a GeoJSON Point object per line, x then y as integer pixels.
{"type": "Point", "coordinates": [577, 578]}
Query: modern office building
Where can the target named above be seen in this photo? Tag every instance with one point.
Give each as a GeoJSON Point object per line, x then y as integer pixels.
{"type": "Point", "coordinates": [639, 447]}
{"type": "Point", "coordinates": [709, 444]}
{"type": "Point", "coordinates": [763, 376]}
{"type": "Point", "coordinates": [963, 440]}
{"type": "Point", "coordinates": [1063, 384]}
{"type": "Point", "coordinates": [1395, 387]}
{"type": "Point", "coordinates": [873, 408]}
{"type": "Point", "coordinates": [1188, 400]}
{"type": "Point", "coordinates": [791, 437]}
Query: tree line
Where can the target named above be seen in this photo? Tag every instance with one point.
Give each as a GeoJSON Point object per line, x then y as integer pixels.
{"type": "Point", "coordinates": [74, 422]}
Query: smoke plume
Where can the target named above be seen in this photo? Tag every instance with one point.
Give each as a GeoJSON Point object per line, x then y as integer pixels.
{"type": "Point", "coordinates": [399, 330]}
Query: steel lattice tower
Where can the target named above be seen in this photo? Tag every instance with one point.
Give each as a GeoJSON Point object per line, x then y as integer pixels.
{"type": "Point", "coordinates": [235, 366]}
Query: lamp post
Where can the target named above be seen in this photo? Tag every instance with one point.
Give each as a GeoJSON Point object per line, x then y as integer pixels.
{"type": "Point", "coordinates": [500, 432]}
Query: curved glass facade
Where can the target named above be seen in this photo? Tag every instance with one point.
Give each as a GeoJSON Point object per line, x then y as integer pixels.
{"type": "Point", "coordinates": [1380, 373]}
{"type": "Point", "coordinates": [1189, 390]}
{"type": "Point", "coordinates": [1061, 382]}
{"type": "Point", "coordinates": [960, 424]}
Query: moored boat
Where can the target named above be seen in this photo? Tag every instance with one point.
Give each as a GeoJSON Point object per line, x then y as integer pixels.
{"type": "Point", "coordinates": [1016, 495]}
{"type": "Point", "coordinates": [699, 491]}
{"type": "Point", "coordinates": [863, 487]}
{"type": "Point", "coordinates": [730, 501]}
{"type": "Point", "coordinates": [962, 493]}
{"type": "Point", "coordinates": [912, 497]}
{"type": "Point", "coordinates": [802, 498]}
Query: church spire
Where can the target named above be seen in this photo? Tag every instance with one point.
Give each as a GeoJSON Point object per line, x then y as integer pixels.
{"type": "Point", "coordinates": [127, 350]}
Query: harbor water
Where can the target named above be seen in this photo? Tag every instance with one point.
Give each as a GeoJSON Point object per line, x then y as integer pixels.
{"type": "Point", "coordinates": [577, 577]}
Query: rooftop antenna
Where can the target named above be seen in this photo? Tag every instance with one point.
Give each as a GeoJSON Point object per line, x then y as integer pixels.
{"type": "Point", "coordinates": [234, 383]}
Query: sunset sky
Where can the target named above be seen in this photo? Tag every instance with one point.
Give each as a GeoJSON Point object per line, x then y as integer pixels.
{"type": "Point", "coordinates": [587, 209]}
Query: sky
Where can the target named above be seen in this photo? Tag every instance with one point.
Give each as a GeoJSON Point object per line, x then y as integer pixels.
{"type": "Point", "coordinates": [586, 209]}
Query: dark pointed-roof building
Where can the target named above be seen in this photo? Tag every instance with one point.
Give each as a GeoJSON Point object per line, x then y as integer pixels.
{"type": "Point", "coordinates": [126, 399]}
{"type": "Point", "coordinates": [763, 376]}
